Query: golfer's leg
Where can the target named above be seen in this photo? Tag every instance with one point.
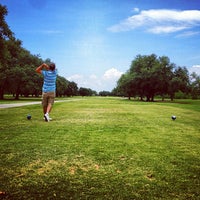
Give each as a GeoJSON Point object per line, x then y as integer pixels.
{"type": "Point", "coordinates": [44, 102]}
{"type": "Point", "coordinates": [44, 109]}
{"type": "Point", "coordinates": [48, 110]}
{"type": "Point", "coordinates": [50, 101]}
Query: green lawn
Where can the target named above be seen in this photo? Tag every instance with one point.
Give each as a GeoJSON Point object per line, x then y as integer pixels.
{"type": "Point", "coordinates": [101, 148]}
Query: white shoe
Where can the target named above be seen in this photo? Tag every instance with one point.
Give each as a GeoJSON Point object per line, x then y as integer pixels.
{"type": "Point", "coordinates": [50, 119]}
{"type": "Point", "coordinates": [46, 116]}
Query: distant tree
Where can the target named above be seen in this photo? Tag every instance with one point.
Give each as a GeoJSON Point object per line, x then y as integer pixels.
{"type": "Point", "coordinates": [104, 93]}
{"type": "Point", "coordinates": [83, 91]}
{"type": "Point", "coordinates": [126, 85]}
{"type": "Point", "coordinates": [86, 92]}
{"type": "Point", "coordinates": [151, 75]}
{"type": "Point", "coordinates": [183, 75]}
{"type": "Point", "coordinates": [61, 85]}
{"type": "Point", "coordinates": [32, 83]}
{"type": "Point", "coordinates": [179, 82]}
{"type": "Point", "coordinates": [163, 75]}
{"type": "Point", "coordinates": [94, 93]}
{"type": "Point", "coordinates": [143, 68]}
{"type": "Point", "coordinates": [72, 89]}
{"type": "Point", "coordinates": [195, 85]}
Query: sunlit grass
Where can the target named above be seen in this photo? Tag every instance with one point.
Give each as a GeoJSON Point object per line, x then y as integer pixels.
{"type": "Point", "coordinates": [101, 148]}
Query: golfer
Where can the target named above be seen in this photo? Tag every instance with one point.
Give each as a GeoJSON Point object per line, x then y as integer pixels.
{"type": "Point", "coordinates": [49, 73]}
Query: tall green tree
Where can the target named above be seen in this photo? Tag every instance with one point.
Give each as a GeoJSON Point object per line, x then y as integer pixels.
{"type": "Point", "coordinates": [143, 69]}
{"type": "Point", "coordinates": [21, 76]}
{"type": "Point", "coordinates": [61, 85]}
{"type": "Point", "coordinates": [5, 34]}
{"type": "Point", "coordinates": [72, 89]}
{"type": "Point", "coordinates": [86, 92]}
{"type": "Point", "coordinates": [150, 75]}
{"type": "Point", "coordinates": [126, 85]}
{"type": "Point", "coordinates": [163, 75]}
{"type": "Point", "coordinates": [32, 83]}
{"type": "Point", "coordinates": [195, 85]}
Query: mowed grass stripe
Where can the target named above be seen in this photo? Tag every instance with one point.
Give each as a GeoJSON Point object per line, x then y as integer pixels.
{"type": "Point", "coordinates": [101, 148]}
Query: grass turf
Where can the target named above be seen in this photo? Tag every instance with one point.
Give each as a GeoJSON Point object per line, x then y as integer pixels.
{"type": "Point", "coordinates": [101, 148]}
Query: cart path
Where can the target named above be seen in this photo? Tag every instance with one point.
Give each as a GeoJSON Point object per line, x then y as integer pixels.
{"type": "Point", "coordinates": [12, 105]}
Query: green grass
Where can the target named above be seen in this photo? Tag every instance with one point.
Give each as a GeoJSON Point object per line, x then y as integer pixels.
{"type": "Point", "coordinates": [101, 148]}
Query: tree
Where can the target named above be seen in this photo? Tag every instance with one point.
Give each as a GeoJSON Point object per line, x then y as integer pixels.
{"type": "Point", "coordinates": [143, 71]}
{"type": "Point", "coordinates": [13, 71]}
{"type": "Point", "coordinates": [21, 75]}
{"type": "Point", "coordinates": [104, 93]}
{"type": "Point", "coordinates": [184, 81]}
{"type": "Point", "coordinates": [17, 66]}
{"type": "Point", "coordinates": [195, 85]}
{"type": "Point", "coordinates": [61, 85]}
{"type": "Point", "coordinates": [163, 74]}
{"type": "Point", "coordinates": [5, 34]}
{"type": "Point", "coordinates": [151, 75]}
{"type": "Point", "coordinates": [125, 85]}
{"type": "Point", "coordinates": [86, 92]}
{"type": "Point", "coordinates": [72, 89]}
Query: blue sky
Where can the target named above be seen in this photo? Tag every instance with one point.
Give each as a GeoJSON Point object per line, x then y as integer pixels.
{"type": "Point", "coordinates": [93, 42]}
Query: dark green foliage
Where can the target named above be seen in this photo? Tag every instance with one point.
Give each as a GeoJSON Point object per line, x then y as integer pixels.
{"type": "Point", "coordinates": [151, 75]}
{"type": "Point", "coordinates": [17, 66]}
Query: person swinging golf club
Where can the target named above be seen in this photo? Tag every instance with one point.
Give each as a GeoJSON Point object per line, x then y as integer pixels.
{"type": "Point", "coordinates": [49, 73]}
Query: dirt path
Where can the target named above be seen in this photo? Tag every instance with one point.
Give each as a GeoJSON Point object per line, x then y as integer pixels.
{"type": "Point", "coordinates": [12, 105]}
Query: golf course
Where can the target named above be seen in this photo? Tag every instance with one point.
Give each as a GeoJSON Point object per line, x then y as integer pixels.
{"type": "Point", "coordinates": [104, 148]}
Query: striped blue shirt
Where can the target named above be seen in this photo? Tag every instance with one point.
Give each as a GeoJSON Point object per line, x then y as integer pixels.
{"type": "Point", "coordinates": [49, 84]}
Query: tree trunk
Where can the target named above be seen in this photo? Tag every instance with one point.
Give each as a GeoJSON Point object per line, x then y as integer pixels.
{"type": "Point", "coordinates": [17, 96]}
{"type": "Point", "coordinates": [152, 98]}
{"type": "Point", "coordinates": [1, 93]}
{"type": "Point", "coordinates": [2, 87]}
{"type": "Point", "coordinates": [172, 97]}
{"type": "Point", "coordinates": [17, 93]}
{"type": "Point", "coordinates": [148, 98]}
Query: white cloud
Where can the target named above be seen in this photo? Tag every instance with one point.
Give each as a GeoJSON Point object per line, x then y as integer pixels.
{"type": "Point", "coordinates": [112, 74]}
{"type": "Point", "coordinates": [160, 21]}
{"type": "Point", "coordinates": [136, 9]}
{"type": "Point", "coordinates": [165, 29]}
{"type": "Point", "coordinates": [79, 79]}
{"type": "Point", "coordinates": [188, 34]}
{"type": "Point", "coordinates": [195, 68]}
{"type": "Point", "coordinates": [75, 77]}
{"type": "Point", "coordinates": [105, 82]}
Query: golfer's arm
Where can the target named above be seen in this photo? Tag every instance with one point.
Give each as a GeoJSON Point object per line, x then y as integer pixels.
{"type": "Point", "coordinates": [39, 69]}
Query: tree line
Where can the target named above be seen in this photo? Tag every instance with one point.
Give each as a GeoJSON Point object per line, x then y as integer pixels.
{"type": "Point", "coordinates": [150, 76]}
{"type": "Point", "coordinates": [17, 68]}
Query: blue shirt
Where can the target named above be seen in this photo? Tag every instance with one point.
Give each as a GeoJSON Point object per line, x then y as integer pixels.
{"type": "Point", "coordinates": [49, 84]}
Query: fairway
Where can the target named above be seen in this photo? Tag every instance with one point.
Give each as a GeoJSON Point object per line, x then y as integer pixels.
{"type": "Point", "coordinates": [101, 148]}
